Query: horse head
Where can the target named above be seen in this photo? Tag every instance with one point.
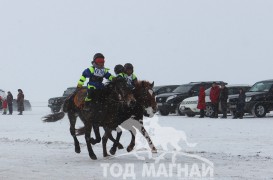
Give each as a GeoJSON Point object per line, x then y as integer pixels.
{"type": "Point", "coordinates": [145, 95]}
{"type": "Point", "coordinates": [121, 91]}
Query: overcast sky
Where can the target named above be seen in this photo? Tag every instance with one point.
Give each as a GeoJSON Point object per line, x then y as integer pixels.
{"type": "Point", "coordinates": [45, 45]}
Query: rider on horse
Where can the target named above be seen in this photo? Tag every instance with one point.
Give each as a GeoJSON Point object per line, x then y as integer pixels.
{"type": "Point", "coordinates": [119, 71]}
{"type": "Point", "coordinates": [95, 73]}
{"type": "Point", "coordinates": [129, 75]}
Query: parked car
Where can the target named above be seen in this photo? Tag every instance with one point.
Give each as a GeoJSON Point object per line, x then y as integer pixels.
{"type": "Point", "coordinates": [55, 103]}
{"type": "Point", "coordinates": [259, 99]}
{"type": "Point", "coordinates": [189, 105]}
{"type": "Point", "coordinates": [164, 89]}
{"type": "Point", "coordinates": [169, 102]}
{"type": "Point", "coordinates": [27, 105]}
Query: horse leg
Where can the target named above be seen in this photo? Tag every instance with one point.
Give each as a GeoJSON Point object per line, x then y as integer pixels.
{"type": "Point", "coordinates": [87, 139]}
{"type": "Point", "coordinates": [104, 141]}
{"type": "Point", "coordinates": [72, 119]}
{"type": "Point", "coordinates": [116, 141]}
{"type": "Point", "coordinates": [115, 145]}
{"type": "Point", "coordinates": [97, 134]}
{"type": "Point", "coordinates": [132, 143]}
{"type": "Point", "coordinates": [147, 137]}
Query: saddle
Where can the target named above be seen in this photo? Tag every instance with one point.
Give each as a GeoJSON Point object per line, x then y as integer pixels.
{"type": "Point", "coordinates": [80, 98]}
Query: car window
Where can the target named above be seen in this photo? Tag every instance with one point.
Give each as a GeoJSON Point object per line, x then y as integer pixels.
{"type": "Point", "coordinates": [69, 91]}
{"type": "Point", "coordinates": [183, 89]}
{"type": "Point", "coordinates": [261, 86]}
{"type": "Point", "coordinates": [195, 90]}
{"type": "Point", "coordinates": [161, 90]}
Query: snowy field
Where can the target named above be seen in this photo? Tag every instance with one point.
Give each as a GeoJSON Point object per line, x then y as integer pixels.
{"type": "Point", "coordinates": [228, 149]}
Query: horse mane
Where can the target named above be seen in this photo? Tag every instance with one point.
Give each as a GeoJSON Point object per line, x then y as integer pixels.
{"type": "Point", "coordinates": [142, 84]}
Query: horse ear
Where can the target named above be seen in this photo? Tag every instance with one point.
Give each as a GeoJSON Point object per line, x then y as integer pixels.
{"type": "Point", "coordinates": [152, 85]}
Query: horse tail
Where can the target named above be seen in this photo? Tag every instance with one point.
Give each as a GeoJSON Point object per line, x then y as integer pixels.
{"type": "Point", "coordinates": [53, 117]}
{"type": "Point", "coordinates": [80, 131]}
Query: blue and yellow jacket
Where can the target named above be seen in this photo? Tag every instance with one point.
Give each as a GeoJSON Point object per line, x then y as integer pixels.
{"type": "Point", "coordinates": [95, 76]}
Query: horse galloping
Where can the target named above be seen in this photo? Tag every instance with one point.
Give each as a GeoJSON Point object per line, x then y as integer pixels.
{"type": "Point", "coordinates": [133, 118]}
{"type": "Point", "coordinates": [145, 105]}
{"type": "Point", "coordinates": [105, 104]}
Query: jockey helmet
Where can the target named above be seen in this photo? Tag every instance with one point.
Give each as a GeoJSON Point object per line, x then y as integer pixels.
{"type": "Point", "coordinates": [98, 58]}
{"type": "Point", "coordinates": [128, 66]}
{"type": "Point", "coordinates": [119, 69]}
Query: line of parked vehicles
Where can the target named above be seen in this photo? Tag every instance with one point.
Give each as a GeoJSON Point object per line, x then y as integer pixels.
{"type": "Point", "coordinates": [183, 99]}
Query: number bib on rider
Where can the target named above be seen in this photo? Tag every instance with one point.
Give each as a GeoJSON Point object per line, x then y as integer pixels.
{"type": "Point", "coordinates": [129, 79]}
{"type": "Point", "coordinates": [99, 72]}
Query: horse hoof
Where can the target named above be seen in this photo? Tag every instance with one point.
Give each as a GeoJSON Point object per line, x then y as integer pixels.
{"type": "Point", "coordinates": [154, 150]}
{"type": "Point", "coordinates": [120, 146]}
{"type": "Point", "coordinates": [93, 141]}
{"type": "Point", "coordinates": [113, 151]}
{"type": "Point", "coordinates": [78, 151]}
{"type": "Point", "coordinates": [106, 155]}
{"type": "Point", "coordinates": [129, 148]}
{"type": "Point", "coordinates": [93, 157]}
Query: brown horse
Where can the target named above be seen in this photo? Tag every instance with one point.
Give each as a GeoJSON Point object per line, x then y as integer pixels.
{"type": "Point", "coordinates": [106, 103]}
{"type": "Point", "coordinates": [145, 105]}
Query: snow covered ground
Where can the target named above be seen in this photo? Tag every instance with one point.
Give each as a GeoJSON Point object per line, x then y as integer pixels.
{"type": "Point", "coordinates": [227, 148]}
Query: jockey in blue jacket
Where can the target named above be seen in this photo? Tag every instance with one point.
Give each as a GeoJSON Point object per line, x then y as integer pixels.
{"type": "Point", "coordinates": [95, 73]}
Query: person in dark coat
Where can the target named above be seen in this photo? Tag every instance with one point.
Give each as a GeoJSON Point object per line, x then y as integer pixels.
{"type": "Point", "coordinates": [223, 100]}
{"type": "Point", "coordinates": [214, 98]}
{"type": "Point", "coordinates": [240, 105]}
{"type": "Point", "coordinates": [201, 101]}
{"type": "Point", "coordinates": [10, 99]}
{"type": "Point", "coordinates": [20, 101]}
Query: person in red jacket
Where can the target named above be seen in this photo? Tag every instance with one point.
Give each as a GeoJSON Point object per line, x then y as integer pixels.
{"type": "Point", "coordinates": [4, 105]}
{"type": "Point", "coordinates": [201, 101]}
{"type": "Point", "coordinates": [214, 97]}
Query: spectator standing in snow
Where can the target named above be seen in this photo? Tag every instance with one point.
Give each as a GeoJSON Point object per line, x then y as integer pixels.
{"type": "Point", "coordinates": [214, 97]}
{"type": "Point", "coordinates": [240, 105]}
{"type": "Point", "coordinates": [20, 101]}
{"type": "Point", "coordinates": [201, 101]}
{"type": "Point", "coordinates": [4, 105]}
{"type": "Point", "coordinates": [10, 102]}
{"type": "Point", "coordinates": [223, 100]}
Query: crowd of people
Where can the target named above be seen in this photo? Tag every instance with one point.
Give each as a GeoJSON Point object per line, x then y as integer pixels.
{"type": "Point", "coordinates": [7, 103]}
{"type": "Point", "coordinates": [219, 97]}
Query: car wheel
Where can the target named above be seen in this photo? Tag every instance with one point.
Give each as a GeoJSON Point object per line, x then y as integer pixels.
{"type": "Point", "coordinates": [208, 111]}
{"type": "Point", "coordinates": [259, 110]}
{"type": "Point", "coordinates": [163, 112]}
{"type": "Point", "coordinates": [190, 115]}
